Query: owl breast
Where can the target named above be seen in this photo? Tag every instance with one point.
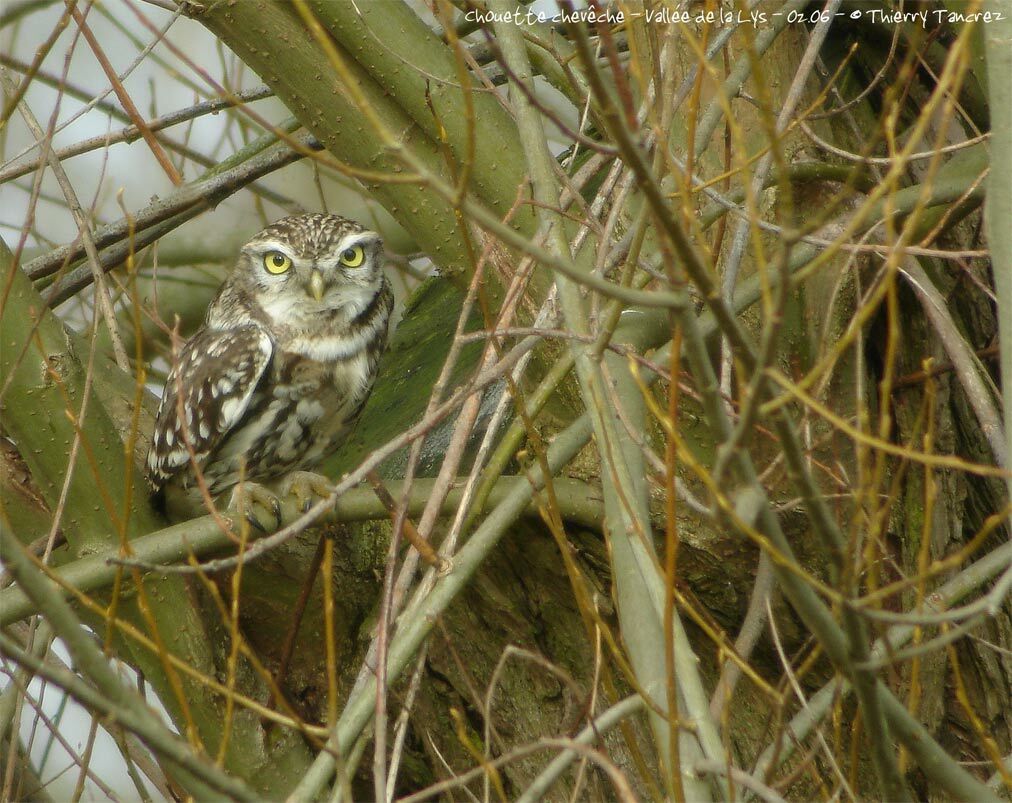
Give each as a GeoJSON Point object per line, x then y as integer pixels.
{"type": "Point", "coordinates": [297, 419]}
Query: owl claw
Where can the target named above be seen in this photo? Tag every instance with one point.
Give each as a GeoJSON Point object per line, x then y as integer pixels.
{"type": "Point", "coordinates": [306, 487]}
{"type": "Point", "coordinates": [248, 494]}
{"type": "Point", "coordinates": [254, 522]}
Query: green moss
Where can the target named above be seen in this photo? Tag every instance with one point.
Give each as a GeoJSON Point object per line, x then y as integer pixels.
{"type": "Point", "coordinates": [367, 545]}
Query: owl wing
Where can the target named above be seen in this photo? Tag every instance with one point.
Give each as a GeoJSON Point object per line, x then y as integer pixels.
{"type": "Point", "coordinates": [217, 372]}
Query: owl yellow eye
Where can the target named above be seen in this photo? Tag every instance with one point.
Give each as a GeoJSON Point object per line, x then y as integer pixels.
{"type": "Point", "coordinates": [277, 263]}
{"type": "Point", "coordinates": [353, 257]}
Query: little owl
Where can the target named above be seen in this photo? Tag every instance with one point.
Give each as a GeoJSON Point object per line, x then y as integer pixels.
{"type": "Point", "coordinates": [283, 364]}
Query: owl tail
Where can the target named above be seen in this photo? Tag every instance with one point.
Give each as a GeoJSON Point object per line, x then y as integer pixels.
{"type": "Point", "coordinates": [158, 502]}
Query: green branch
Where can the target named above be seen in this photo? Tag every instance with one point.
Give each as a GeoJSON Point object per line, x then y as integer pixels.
{"type": "Point", "coordinates": [579, 503]}
{"type": "Point", "coordinates": [638, 585]}
{"type": "Point", "coordinates": [102, 502]}
{"type": "Point", "coordinates": [290, 55]}
{"type": "Point", "coordinates": [419, 72]}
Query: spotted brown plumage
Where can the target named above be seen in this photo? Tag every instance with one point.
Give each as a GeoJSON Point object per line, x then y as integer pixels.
{"type": "Point", "coordinates": [281, 367]}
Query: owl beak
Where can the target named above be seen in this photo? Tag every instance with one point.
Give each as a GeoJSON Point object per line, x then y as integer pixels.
{"type": "Point", "coordinates": [316, 285]}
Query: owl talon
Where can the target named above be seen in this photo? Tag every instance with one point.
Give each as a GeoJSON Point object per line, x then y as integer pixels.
{"type": "Point", "coordinates": [250, 494]}
{"type": "Point", "coordinates": [307, 488]}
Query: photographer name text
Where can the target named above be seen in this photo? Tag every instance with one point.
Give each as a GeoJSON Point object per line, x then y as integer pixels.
{"type": "Point", "coordinates": [756, 18]}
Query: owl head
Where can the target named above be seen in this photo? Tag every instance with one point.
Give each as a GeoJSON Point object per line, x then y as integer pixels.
{"type": "Point", "coordinates": [301, 267]}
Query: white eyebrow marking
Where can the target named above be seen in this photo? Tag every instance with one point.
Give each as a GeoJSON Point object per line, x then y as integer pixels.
{"type": "Point", "coordinates": [263, 246]}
